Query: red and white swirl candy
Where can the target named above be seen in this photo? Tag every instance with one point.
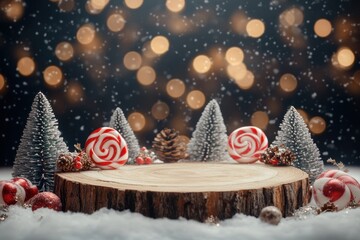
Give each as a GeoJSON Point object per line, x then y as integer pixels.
{"type": "Point", "coordinates": [246, 144]}
{"type": "Point", "coordinates": [337, 187]}
{"type": "Point", "coordinates": [107, 148]}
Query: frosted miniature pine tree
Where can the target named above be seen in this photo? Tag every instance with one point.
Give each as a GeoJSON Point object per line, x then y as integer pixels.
{"type": "Point", "coordinates": [40, 146]}
{"type": "Point", "coordinates": [118, 122]}
{"type": "Point", "coordinates": [295, 135]}
{"type": "Point", "coordinates": [209, 140]}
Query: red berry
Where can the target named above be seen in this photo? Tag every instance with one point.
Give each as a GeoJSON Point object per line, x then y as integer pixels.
{"type": "Point", "coordinates": [148, 160]}
{"type": "Point", "coordinates": [78, 165]}
{"type": "Point", "coordinates": [139, 160]}
{"type": "Point", "coordinates": [77, 158]}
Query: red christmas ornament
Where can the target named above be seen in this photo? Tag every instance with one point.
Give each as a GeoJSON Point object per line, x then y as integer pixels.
{"type": "Point", "coordinates": [30, 189]}
{"type": "Point", "coordinates": [46, 200]}
{"type": "Point", "coordinates": [78, 165]}
{"type": "Point", "coordinates": [11, 193]}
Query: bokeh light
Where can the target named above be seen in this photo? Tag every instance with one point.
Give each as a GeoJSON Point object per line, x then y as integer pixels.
{"type": "Point", "coordinates": [234, 56]}
{"type": "Point", "coordinates": [132, 60]}
{"type": "Point", "coordinates": [159, 45]}
{"type": "Point", "coordinates": [14, 10]}
{"type": "Point", "coordinates": [133, 4]}
{"type": "Point", "coordinates": [64, 51]}
{"type": "Point", "coordinates": [137, 121]}
{"type": "Point", "coordinates": [236, 72]}
{"type": "Point", "coordinates": [288, 82]}
{"type": "Point", "coordinates": [317, 125]}
{"type": "Point", "coordinates": [53, 76]}
{"type": "Point", "coordinates": [322, 27]}
{"type": "Point", "coordinates": [255, 28]}
{"type": "Point", "coordinates": [175, 5]}
{"type": "Point", "coordinates": [160, 110]}
{"type": "Point", "coordinates": [74, 92]}
{"type": "Point", "coordinates": [195, 99]}
{"type": "Point", "coordinates": [202, 64]}
{"type": "Point", "coordinates": [2, 83]}
{"type": "Point", "coordinates": [260, 119]}
{"type": "Point", "coordinates": [26, 66]}
{"type": "Point", "coordinates": [175, 88]}
{"type": "Point", "coordinates": [66, 5]}
{"type": "Point", "coordinates": [345, 57]}
{"type": "Point", "coordinates": [146, 75]}
{"type": "Point", "coordinates": [247, 81]}
{"type": "Point", "coordinates": [115, 22]}
{"type": "Point", "coordinates": [304, 115]}
{"type": "Point", "coordinates": [85, 34]}
{"type": "Point", "coordinates": [291, 17]}
{"type": "Point", "coordinates": [98, 4]}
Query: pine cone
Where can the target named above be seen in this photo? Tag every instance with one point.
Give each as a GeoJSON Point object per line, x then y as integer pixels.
{"type": "Point", "coordinates": [278, 156]}
{"type": "Point", "coordinates": [65, 162]}
{"type": "Point", "coordinates": [168, 146]}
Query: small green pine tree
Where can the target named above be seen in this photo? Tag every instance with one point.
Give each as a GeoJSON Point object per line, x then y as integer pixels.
{"type": "Point", "coordinates": [40, 146]}
{"type": "Point", "coordinates": [119, 123]}
{"type": "Point", "coordinates": [295, 135]}
{"type": "Point", "coordinates": [209, 140]}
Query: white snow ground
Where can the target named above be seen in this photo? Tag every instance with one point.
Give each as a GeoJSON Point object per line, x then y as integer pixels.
{"type": "Point", "coordinates": [109, 224]}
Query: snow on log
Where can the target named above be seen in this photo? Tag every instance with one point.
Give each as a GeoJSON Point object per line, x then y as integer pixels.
{"type": "Point", "coordinates": [190, 190]}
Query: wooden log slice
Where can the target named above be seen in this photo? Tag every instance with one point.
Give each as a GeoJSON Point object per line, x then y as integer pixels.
{"type": "Point", "coordinates": [190, 190]}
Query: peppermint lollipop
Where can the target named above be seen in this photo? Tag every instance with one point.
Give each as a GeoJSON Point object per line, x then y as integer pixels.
{"type": "Point", "coordinates": [246, 144]}
{"type": "Point", "coordinates": [337, 187]}
{"type": "Point", "coordinates": [107, 148]}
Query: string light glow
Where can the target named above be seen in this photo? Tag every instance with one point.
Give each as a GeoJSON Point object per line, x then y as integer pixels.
{"type": "Point", "coordinates": [247, 81]}
{"type": "Point", "coordinates": [14, 10]}
{"type": "Point", "coordinates": [26, 66]}
{"type": "Point", "coordinates": [234, 56]}
{"type": "Point", "coordinates": [345, 57]}
{"type": "Point", "coordinates": [236, 72]}
{"type": "Point", "coordinates": [160, 110]}
{"type": "Point", "coordinates": [133, 4]}
{"type": "Point", "coordinates": [74, 93]}
{"type": "Point", "coordinates": [260, 119]}
{"type": "Point", "coordinates": [2, 83]}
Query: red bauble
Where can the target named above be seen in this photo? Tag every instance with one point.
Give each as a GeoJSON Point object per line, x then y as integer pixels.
{"type": "Point", "coordinates": [46, 200]}
{"type": "Point", "coordinates": [30, 189]}
{"type": "Point", "coordinates": [78, 165]}
{"type": "Point", "coordinates": [11, 193]}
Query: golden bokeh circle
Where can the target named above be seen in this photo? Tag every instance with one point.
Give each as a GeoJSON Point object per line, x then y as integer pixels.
{"type": "Point", "coordinates": [195, 99]}
{"type": "Point", "coordinates": [133, 4]}
{"type": "Point", "coordinates": [288, 82]}
{"type": "Point", "coordinates": [85, 34]}
{"type": "Point", "coordinates": [159, 45]}
{"type": "Point", "coordinates": [317, 125]}
{"type": "Point", "coordinates": [247, 81]}
{"type": "Point", "coordinates": [2, 83]}
{"type": "Point", "coordinates": [255, 28]}
{"type": "Point", "coordinates": [175, 5]}
{"type": "Point", "coordinates": [53, 76]}
{"type": "Point", "coordinates": [260, 119]}
{"type": "Point", "coordinates": [64, 51]}
{"type": "Point", "coordinates": [234, 55]}
{"type": "Point", "coordinates": [25, 66]}
{"type": "Point", "coordinates": [202, 64]}
{"type": "Point", "coordinates": [237, 72]}
{"type": "Point", "coordinates": [175, 88]}
{"type": "Point", "coordinates": [322, 27]}
{"type": "Point", "coordinates": [115, 22]}
{"type": "Point", "coordinates": [146, 75]}
{"type": "Point", "coordinates": [345, 57]}
{"type": "Point", "coordinates": [137, 121]}
{"type": "Point", "coordinates": [160, 110]}
{"type": "Point", "coordinates": [132, 60]}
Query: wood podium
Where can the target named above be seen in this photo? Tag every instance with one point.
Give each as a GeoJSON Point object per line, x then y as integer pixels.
{"type": "Point", "coordinates": [189, 190]}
